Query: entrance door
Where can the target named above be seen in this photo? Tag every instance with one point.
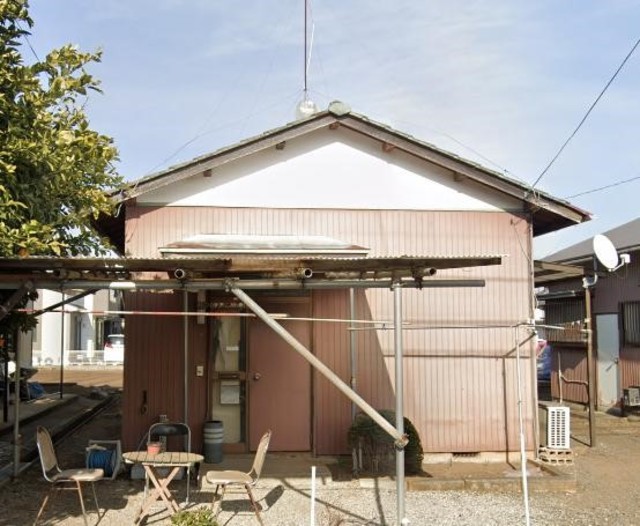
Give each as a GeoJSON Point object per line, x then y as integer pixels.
{"type": "Point", "coordinates": [279, 379]}
{"type": "Point", "coordinates": [608, 342]}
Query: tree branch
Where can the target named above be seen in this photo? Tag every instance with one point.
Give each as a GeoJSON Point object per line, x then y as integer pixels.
{"type": "Point", "coordinates": [7, 306]}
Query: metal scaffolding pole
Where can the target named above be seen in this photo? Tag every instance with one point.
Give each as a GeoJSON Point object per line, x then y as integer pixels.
{"type": "Point", "coordinates": [397, 319]}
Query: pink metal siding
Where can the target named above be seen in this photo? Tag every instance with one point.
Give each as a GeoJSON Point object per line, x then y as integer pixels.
{"type": "Point", "coordinates": [154, 364]}
{"type": "Point", "coordinates": [460, 388]}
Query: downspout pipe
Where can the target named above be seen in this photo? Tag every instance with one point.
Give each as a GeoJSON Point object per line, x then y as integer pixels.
{"type": "Point", "coordinates": [185, 328]}
{"type": "Point", "coordinates": [17, 438]}
{"type": "Point", "coordinates": [353, 366]}
{"type": "Point", "coordinates": [399, 439]}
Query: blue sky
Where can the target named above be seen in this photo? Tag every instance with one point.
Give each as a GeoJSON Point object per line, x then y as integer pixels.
{"type": "Point", "coordinates": [501, 82]}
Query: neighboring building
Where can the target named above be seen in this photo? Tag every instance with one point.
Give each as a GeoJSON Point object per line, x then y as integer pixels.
{"type": "Point", "coordinates": [615, 315]}
{"type": "Point", "coordinates": [334, 185]}
{"type": "Point", "coordinates": [80, 331]}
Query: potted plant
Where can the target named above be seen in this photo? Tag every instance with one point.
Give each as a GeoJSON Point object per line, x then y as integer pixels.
{"type": "Point", "coordinates": [153, 448]}
{"type": "Point", "coordinates": [194, 517]}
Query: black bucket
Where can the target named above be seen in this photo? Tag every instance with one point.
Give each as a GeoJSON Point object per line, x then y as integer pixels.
{"type": "Point", "coordinates": [213, 438]}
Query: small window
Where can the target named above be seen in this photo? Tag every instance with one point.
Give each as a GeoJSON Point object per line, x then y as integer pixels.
{"type": "Point", "coordinates": [631, 322]}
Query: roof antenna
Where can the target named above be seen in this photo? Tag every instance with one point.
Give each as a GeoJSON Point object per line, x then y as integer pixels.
{"type": "Point", "coordinates": [306, 107]}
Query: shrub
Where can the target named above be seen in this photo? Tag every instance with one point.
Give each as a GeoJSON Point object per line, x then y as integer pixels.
{"type": "Point", "coordinates": [195, 517]}
{"type": "Point", "coordinates": [377, 446]}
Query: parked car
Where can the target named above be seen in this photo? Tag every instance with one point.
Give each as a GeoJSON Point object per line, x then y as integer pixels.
{"type": "Point", "coordinates": [114, 349]}
{"type": "Point", "coordinates": [544, 361]}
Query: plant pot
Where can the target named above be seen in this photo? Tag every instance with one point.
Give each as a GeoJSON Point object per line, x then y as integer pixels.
{"type": "Point", "coordinates": [153, 448]}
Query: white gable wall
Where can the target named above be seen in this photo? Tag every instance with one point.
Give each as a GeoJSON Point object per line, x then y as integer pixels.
{"type": "Point", "coordinates": [330, 169]}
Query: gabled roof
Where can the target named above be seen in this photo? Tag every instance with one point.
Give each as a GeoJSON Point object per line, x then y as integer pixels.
{"type": "Point", "coordinates": [548, 213]}
{"type": "Point", "coordinates": [626, 238]}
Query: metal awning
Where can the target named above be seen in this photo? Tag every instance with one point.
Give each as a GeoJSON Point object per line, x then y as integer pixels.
{"type": "Point", "coordinates": [234, 244]}
{"type": "Point", "coordinates": [211, 272]}
{"type": "Point", "coordinates": [545, 272]}
{"type": "Point", "coordinates": [237, 274]}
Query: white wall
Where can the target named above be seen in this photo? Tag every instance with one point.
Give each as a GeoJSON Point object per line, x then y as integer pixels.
{"type": "Point", "coordinates": [330, 169]}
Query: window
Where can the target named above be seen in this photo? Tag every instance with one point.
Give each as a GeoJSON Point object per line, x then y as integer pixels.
{"type": "Point", "coordinates": [631, 322]}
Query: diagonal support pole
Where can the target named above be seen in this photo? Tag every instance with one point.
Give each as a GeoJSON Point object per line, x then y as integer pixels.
{"type": "Point", "coordinates": [400, 439]}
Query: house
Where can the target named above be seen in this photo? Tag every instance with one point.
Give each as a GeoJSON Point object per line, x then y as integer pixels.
{"type": "Point", "coordinates": [353, 202]}
{"type": "Point", "coordinates": [75, 336]}
{"type": "Point", "coordinates": [615, 318]}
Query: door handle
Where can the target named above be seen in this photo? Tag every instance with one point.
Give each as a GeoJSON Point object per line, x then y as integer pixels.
{"type": "Point", "coordinates": [257, 376]}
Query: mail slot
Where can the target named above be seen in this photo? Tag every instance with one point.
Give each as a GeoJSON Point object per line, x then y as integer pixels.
{"type": "Point", "coordinates": [229, 375]}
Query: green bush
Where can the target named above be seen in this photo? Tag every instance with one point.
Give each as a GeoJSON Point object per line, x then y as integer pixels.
{"type": "Point", "coordinates": [195, 517]}
{"type": "Point", "coordinates": [377, 446]}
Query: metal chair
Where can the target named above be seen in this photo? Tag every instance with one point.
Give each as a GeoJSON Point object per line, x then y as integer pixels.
{"type": "Point", "coordinates": [248, 480]}
{"type": "Point", "coordinates": [60, 477]}
{"type": "Point", "coordinates": [166, 430]}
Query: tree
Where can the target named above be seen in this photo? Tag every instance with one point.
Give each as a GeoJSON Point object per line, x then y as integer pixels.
{"type": "Point", "coordinates": [56, 173]}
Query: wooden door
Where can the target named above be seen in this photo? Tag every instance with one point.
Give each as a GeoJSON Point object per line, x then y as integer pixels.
{"type": "Point", "coordinates": [279, 380]}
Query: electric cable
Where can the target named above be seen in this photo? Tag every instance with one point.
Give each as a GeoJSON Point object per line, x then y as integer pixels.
{"type": "Point", "coordinates": [582, 121]}
{"type": "Point", "coordinates": [26, 39]}
{"type": "Point", "coordinates": [600, 188]}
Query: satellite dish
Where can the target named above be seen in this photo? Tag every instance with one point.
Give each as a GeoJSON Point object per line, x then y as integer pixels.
{"type": "Point", "coordinates": [605, 252]}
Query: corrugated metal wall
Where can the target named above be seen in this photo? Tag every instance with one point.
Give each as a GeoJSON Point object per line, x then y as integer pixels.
{"type": "Point", "coordinates": [154, 367]}
{"type": "Point", "coordinates": [623, 285]}
{"type": "Point", "coordinates": [629, 366]}
{"type": "Point", "coordinates": [572, 359]}
{"type": "Point", "coordinates": [460, 382]}
{"type": "Point", "coordinates": [610, 291]}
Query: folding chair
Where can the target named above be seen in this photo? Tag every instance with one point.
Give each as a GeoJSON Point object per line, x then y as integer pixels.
{"type": "Point", "coordinates": [59, 477]}
{"type": "Point", "coordinates": [248, 480]}
{"type": "Point", "coordinates": [168, 430]}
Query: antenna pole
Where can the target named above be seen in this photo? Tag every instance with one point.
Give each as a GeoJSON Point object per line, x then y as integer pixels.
{"type": "Point", "coordinates": [305, 49]}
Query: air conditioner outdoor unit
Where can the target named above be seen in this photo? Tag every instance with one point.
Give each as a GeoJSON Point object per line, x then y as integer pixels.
{"type": "Point", "coordinates": [558, 429]}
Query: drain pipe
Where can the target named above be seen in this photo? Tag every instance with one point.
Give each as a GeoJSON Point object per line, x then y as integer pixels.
{"type": "Point", "coordinates": [17, 438]}
{"type": "Point", "coordinates": [399, 439]}
{"type": "Point", "coordinates": [185, 328]}
{"type": "Point", "coordinates": [62, 344]}
{"type": "Point", "coordinates": [352, 348]}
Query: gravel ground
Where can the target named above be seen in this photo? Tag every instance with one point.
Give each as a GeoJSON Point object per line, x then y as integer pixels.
{"type": "Point", "coordinates": [608, 492]}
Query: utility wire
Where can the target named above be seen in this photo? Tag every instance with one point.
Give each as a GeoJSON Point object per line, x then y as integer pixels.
{"type": "Point", "coordinates": [594, 190]}
{"type": "Point", "coordinates": [25, 34]}
{"type": "Point", "coordinates": [593, 105]}
{"type": "Point", "coordinates": [466, 147]}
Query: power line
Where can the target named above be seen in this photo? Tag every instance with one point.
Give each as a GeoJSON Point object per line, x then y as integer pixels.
{"type": "Point", "coordinates": [25, 34]}
{"type": "Point", "coordinates": [226, 125]}
{"type": "Point", "coordinates": [593, 105]}
{"type": "Point", "coordinates": [465, 146]}
{"type": "Point", "coordinates": [594, 190]}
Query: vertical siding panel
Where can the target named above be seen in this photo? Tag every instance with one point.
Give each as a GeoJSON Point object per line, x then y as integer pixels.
{"type": "Point", "coordinates": [456, 382]}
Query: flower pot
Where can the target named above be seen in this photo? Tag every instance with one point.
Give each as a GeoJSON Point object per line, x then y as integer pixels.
{"type": "Point", "coordinates": [153, 448]}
